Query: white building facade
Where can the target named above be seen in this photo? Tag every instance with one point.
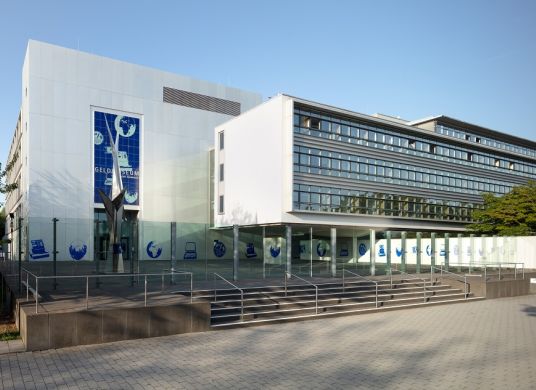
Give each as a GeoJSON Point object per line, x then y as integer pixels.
{"type": "Point", "coordinates": [165, 125]}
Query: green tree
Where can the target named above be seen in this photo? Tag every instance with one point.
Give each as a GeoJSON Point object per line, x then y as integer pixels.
{"type": "Point", "coordinates": [513, 214]}
{"type": "Point", "coordinates": [4, 186]}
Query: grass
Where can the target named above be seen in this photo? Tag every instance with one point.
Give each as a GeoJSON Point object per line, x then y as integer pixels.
{"type": "Point", "coordinates": [8, 331]}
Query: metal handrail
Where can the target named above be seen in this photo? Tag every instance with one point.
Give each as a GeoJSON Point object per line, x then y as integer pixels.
{"type": "Point", "coordinates": [411, 277]}
{"type": "Point", "coordinates": [236, 287]}
{"type": "Point", "coordinates": [490, 265]}
{"type": "Point", "coordinates": [87, 277]}
{"type": "Point", "coordinates": [362, 277]}
{"type": "Point", "coordinates": [451, 273]}
{"type": "Point", "coordinates": [287, 274]}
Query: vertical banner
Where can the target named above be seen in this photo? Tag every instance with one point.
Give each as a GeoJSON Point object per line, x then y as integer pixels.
{"type": "Point", "coordinates": [126, 130]}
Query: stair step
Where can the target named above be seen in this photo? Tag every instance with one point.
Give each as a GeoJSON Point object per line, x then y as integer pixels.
{"type": "Point", "coordinates": [266, 321]}
{"type": "Point", "coordinates": [333, 307]}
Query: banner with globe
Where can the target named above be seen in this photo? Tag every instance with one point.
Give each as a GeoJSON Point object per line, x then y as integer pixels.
{"type": "Point", "coordinates": [126, 129]}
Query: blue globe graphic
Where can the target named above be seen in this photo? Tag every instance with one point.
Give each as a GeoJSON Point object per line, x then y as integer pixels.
{"type": "Point", "coordinates": [77, 250]}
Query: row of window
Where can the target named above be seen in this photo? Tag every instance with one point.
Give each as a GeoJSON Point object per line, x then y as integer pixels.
{"type": "Point", "coordinates": [321, 162]}
{"type": "Point", "coordinates": [467, 136]}
{"type": "Point", "coordinates": [355, 133]}
{"type": "Point", "coordinates": [334, 200]}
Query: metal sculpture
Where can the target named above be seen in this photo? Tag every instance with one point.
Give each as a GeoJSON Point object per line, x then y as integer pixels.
{"type": "Point", "coordinates": [113, 205]}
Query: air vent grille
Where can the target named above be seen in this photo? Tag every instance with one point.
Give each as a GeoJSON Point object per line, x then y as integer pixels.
{"type": "Point", "coordinates": [202, 102]}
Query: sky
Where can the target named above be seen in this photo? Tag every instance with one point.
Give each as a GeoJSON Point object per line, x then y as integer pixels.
{"type": "Point", "coordinates": [472, 60]}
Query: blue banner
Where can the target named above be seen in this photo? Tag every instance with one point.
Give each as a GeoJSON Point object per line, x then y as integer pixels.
{"type": "Point", "coordinates": [128, 154]}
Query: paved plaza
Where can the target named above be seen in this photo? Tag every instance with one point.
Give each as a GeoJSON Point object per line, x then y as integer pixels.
{"type": "Point", "coordinates": [480, 345]}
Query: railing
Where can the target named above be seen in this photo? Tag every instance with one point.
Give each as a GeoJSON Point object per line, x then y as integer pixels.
{"type": "Point", "coordinates": [288, 274]}
{"type": "Point", "coordinates": [236, 287]}
{"type": "Point", "coordinates": [35, 291]}
{"type": "Point", "coordinates": [491, 265]}
{"type": "Point", "coordinates": [448, 273]}
{"type": "Point", "coordinates": [391, 270]}
{"type": "Point", "coordinates": [359, 276]}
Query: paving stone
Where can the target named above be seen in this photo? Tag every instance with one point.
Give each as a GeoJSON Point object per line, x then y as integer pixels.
{"type": "Point", "coordinates": [485, 344]}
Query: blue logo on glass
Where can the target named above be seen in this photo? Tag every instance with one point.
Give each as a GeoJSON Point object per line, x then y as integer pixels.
{"type": "Point", "coordinates": [77, 250]}
{"type": "Point", "coordinates": [190, 251]}
{"type": "Point", "coordinates": [275, 251]}
{"type": "Point", "coordinates": [381, 251]}
{"type": "Point", "coordinates": [398, 251]}
{"type": "Point", "coordinates": [153, 250]}
{"type": "Point", "coordinates": [414, 249]}
{"type": "Point", "coordinates": [127, 132]}
{"type": "Point", "coordinates": [362, 249]}
{"type": "Point", "coordinates": [442, 252]}
{"type": "Point", "coordinates": [219, 248]}
{"type": "Point", "coordinates": [38, 250]}
{"type": "Point", "coordinates": [428, 250]}
{"type": "Point", "coordinates": [250, 250]}
{"type": "Point", "coordinates": [343, 252]}
{"type": "Point", "coordinates": [321, 249]}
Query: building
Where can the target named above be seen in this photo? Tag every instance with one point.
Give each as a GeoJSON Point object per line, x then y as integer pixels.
{"type": "Point", "coordinates": [165, 124]}
{"type": "Point", "coordinates": [218, 182]}
{"type": "Point", "coordinates": [327, 182]}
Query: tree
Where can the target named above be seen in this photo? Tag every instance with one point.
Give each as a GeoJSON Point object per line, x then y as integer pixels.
{"type": "Point", "coordinates": [4, 186]}
{"type": "Point", "coordinates": [513, 214]}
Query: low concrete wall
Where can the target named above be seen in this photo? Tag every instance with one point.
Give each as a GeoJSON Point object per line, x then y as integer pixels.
{"type": "Point", "coordinates": [493, 288]}
{"type": "Point", "coordinates": [58, 330]}
{"type": "Point", "coordinates": [507, 288]}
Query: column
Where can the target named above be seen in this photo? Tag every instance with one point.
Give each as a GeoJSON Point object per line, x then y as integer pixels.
{"type": "Point", "coordinates": [419, 253]}
{"type": "Point", "coordinates": [372, 252]}
{"type": "Point", "coordinates": [447, 251]}
{"type": "Point", "coordinates": [388, 249]}
{"type": "Point", "coordinates": [472, 257]}
{"type": "Point", "coordinates": [333, 252]}
{"type": "Point", "coordinates": [460, 251]}
{"type": "Point", "coordinates": [173, 242]}
{"type": "Point", "coordinates": [236, 259]}
{"type": "Point", "coordinates": [433, 250]}
{"type": "Point", "coordinates": [355, 253]}
{"type": "Point", "coordinates": [311, 250]}
{"type": "Point", "coordinates": [289, 248]}
{"type": "Point", "coordinates": [403, 254]}
{"type": "Point", "coordinates": [264, 252]}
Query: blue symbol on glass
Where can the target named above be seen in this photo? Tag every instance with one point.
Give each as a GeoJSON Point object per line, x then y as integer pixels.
{"type": "Point", "coordinates": [190, 251]}
{"type": "Point", "coordinates": [77, 250]}
{"type": "Point", "coordinates": [468, 251]}
{"type": "Point", "coordinates": [275, 251]}
{"type": "Point", "coordinates": [456, 251]}
{"type": "Point", "coordinates": [153, 250]}
{"type": "Point", "coordinates": [480, 251]}
{"type": "Point", "coordinates": [38, 250]}
{"type": "Point", "coordinates": [219, 248]}
{"type": "Point", "coordinates": [381, 251]}
{"type": "Point", "coordinates": [398, 251]}
{"type": "Point", "coordinates": [428, 250]}
{"type": "Point", "coordinates": [321, 249]}
{"type": "Point", "coordinates": [414, 249]}
{"type": "Point", "coordinates": [343, 252]}
{"type": "Point", "coordinates": [302, 249]}
{"type": "Point", "coordinates": [442, 252]}
{"type": "Point", "coordinates": [362, 249]}
{"type": "Point", "coordinates": [250, 250]}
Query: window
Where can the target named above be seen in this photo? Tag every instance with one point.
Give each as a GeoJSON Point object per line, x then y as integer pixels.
{"type": "Point", "coordinates": [467, 137]}
{"type": "Point", "coordinates": [221, 172]}
{"type": "Point", "coordinates": [411, 144]}
{"type": "Point", "coordinates": [511, 166]}
{"type": "Point", "coordinates": [477, 140]}
{"type": "Point", "coordinates": [220, 206]}
{"type": "Point", "coordinates": [469, 156]}
{"type": "Point", "coordinates": [433, 149]}
{"type": "Point", "coordinates": [497, 163]}
{"type": "Point", "coordinates": [220, 137]}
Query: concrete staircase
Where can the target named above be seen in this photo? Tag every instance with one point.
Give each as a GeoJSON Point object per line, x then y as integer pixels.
{"type": "Point", "coordinates": [272, 304]}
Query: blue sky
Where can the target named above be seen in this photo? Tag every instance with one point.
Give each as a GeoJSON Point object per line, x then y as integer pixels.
{"type": "Point", "coordinates": [473, 60]}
